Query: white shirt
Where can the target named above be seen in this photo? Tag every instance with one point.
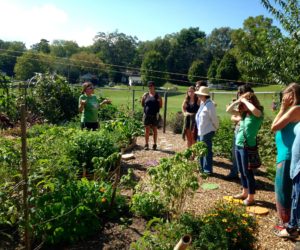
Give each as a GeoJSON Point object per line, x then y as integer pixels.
{"type": "Point", "coordinates": [206, 118]}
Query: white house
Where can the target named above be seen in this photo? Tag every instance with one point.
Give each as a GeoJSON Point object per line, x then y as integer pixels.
{"type": "Point", "coordinates": [134, 80]}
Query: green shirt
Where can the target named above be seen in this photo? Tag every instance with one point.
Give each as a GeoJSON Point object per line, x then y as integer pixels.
{"type": "Point", "coordinates": [249, 126]}
{"type": "Point", "coordinates": [90, 110]}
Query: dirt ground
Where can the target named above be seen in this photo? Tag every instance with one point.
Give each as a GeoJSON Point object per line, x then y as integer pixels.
{"type": "Point", "coordinates": [116, 236]}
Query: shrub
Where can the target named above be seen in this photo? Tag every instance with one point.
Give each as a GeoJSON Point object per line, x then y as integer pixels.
{"type": "Point", "coordinates": [226, 226]}
{"type": "Point", "coordinates": [223, 140]}
{"type": "Point", "coordinates": [147, 205]}
{"type": "Point", "coordinates": [69, 211]}
{"type": "Point", "coordinates": [86, 144]}
{"type": "Point", "coordinates": [176, 123]}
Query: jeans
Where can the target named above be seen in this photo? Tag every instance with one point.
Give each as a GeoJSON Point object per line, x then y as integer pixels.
{"type": "Point", "coordinates": [247, 175]}
{"type": "Point", "coordinates": [234, 169]}
{"type": "Point", "coordinates": [295, 210]}
{"type": "Point", "coordinates": [206, 162]}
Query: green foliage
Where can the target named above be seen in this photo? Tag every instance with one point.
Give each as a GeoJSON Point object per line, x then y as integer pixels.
{"type": "Point", "coordinates": [174, 180]}
{"type": "Point", "coordinates": [227, 68]}
{"type": "Point", "coordinates": [153, 68]}
{"type": "Point", "coordinates": [226, 226]}
{"type": "Point", "coordinates": [107, 112]}
{"type": "Point", "coordinates": [86, 145]}
{"type": "Point", "coordinates": [212, 71]}
{"type": "Point", "coordinates": [147, 205]}
{"type": "Point", "coordinates": [29, 63]}
{"type": "Point", "coordinates": [196, 71]}
{"type": "Point", "coordinates": [223, 140]}
{"type": "Point", "coordinates": [54, 99]}
{"type": "Point", "coordinates": [267, 147]}
{"type": "Point", "coordinates": [70, 211]}
{"type": "Point", "coordinates": [176, 122]}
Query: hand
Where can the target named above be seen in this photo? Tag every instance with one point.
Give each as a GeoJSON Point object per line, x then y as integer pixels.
{"type": "Point", "coordinates": [287, 101]}
{"type": "Point", "coordinates": [107, 101]}
{"type": "Point", "coordinates": [82, 103]}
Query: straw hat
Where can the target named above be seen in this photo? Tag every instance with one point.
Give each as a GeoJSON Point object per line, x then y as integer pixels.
{"type": "Point", "coordinates": [203, 91]}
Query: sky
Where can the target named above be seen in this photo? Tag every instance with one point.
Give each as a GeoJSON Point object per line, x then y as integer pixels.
{"type": "Point", "coordinates": [29, 21]}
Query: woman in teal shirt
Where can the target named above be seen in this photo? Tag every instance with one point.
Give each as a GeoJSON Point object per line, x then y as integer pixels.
{"type": "Point", "coordinates": [251, 113]}
{"type": "Point", "coordinates": [88, 106]}
{"type": "Point", "coordinates": [283, 125]}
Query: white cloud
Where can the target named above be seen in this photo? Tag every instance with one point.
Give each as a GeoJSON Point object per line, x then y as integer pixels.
{"type": "Point", "coordinates": [31, 24]}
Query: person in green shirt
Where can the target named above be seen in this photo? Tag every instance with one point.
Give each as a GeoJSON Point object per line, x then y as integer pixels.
{"type": "Point", "coordinates": [251, 113]}
{"type": "Point", "coordinates": [88, 107]}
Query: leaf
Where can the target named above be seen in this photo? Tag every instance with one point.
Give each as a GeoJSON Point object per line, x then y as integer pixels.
{"type": "Point", "coordinates": [209, 186]}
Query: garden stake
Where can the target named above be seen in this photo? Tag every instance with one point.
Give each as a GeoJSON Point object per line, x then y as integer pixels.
{"type": "Point", "coordinates": [184, 242]}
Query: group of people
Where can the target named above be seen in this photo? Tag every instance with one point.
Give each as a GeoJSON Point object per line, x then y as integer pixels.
{"type": "Point", "coordinates": [201, 123]}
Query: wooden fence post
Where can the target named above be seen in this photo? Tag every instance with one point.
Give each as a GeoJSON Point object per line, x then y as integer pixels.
{"type": "Point", "coordinates": [25, 176]}
{"type": "Point", "coordinates": [165, 110]}
{"type": "Point", "coordinates": [133, 97]}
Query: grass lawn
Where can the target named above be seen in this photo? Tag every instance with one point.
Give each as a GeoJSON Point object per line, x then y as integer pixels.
{"type": "Point", "coordinates": [122, 96]}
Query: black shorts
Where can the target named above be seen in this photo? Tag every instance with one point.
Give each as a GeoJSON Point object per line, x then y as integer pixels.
{"type": "Point", "coordinates": [90, 125]}
{"type": "Point", "coordinates": [150, 120]}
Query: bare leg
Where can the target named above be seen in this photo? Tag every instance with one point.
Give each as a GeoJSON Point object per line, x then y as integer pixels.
{"type": "Point", "coordinates": [147, 132]}
{"type": "Point", "coordinates": [154, 129]}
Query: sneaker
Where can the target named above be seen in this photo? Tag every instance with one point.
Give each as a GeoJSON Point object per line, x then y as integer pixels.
{"type": "Point", "coordinates": [154, 146]}
{"type": "Point", "coordinates": [289, 233]}
{"type": "Point", "coordinates": [146, 147]}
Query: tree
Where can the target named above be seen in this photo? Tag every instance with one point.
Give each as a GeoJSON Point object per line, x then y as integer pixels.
{"type": "Point", "coordinates": [227, 69]}
{"type": "Point", "coordinates": [9, 52]}
{"type": "Point", "coordinates": [63, 48]}
{"type": "Point", "coordinates": [153, 68]}
{"type": "Point", "coordinates": [30, 63]}
{"type": "Point", "coordinates": [43, 46]}
{"type": "Point", "coordinates": [196, 71]}
{"type": "Point", "coordinates": [219, 42]}
{"type": "Point", "coordinates": [212, 71]}
{"type": "Point", "coordinates": [251, 48]}
{"type": "Point", "coordinates": [86, 63]}
{"type": "Point", "coordinates": [287, 12]}
{"type": "Point", "coordinates": [116, 49]}
{"type": "Point", "coordinates": [186, 47]}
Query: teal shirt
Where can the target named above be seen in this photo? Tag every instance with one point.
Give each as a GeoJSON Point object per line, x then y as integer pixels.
{"type": "Point", "coordinates": [249, 126]}
{"type": "Point", "coordinates": [284, 139]}
{"type": "Point", "coordinates": [90, 111]}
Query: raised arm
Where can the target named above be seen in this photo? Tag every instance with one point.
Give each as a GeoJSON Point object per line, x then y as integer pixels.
{"type": "Point", "coordinates": [254, 110]}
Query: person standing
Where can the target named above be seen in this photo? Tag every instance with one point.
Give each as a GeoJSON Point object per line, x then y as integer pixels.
{"type": "Point", "coordinates": [236, 118]}
{"type": "Point", "coordinates": [190, 107]}
{"type": "Point", "coordinates": [207, 124]}
{"type": "Point", "coordinates": [88, 107]}
{"type": "Point", "coordinates": [251, 113]}
{"type": "Point", "coordinates": [284, 125]}
{"type": "Point", "coordinates": [152, 103]}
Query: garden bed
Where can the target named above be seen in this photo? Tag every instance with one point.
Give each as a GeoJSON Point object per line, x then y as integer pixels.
{"type": "Point", "coordinates": [119, 235]}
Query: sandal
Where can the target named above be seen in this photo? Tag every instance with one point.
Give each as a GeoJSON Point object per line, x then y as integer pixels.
{"type": "Point", "coordinates": [248, 203]}
{"type": "Point", "coordinates": [239, 197]}
{"type": "Point", "coordinates": [289, 233]}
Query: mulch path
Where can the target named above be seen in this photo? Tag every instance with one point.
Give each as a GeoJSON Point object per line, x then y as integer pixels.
{"type": "Point", "coordinates": [116, 236]}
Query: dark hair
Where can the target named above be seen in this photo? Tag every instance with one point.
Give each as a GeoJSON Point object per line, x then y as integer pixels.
{"type": "Point", "coordinates": [188, 98]}
{"type": "Point", "coordinates": [201, 83]}
{"type": "Point", "coordinates": [244, 89]}
{"type": "Point", "coordinates": [150, 83]}
{"type": "Point", "coordinates": [251, 97]}
{"type": "Point", "coordinates": [295, 89]}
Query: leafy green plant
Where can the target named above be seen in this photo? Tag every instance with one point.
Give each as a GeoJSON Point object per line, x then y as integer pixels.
{"type": "Point", "coordinates": [69, 211]}
{"type": "Point", "coordinates": [223, 140]}
{"type": "Point", "coordinates": [225, 226]}
{"type": "Point", "coordinates": [86, 145]}
{"type": "Point", "coordinates": [174, 179]}
{"type": "Point", "coordinates": [176, 122]}
{"type": "Point", "coordinates": [147, 204]}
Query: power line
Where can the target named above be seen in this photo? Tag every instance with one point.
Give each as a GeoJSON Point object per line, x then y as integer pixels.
{"type": "Point", "coordinates": [127, 67]}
